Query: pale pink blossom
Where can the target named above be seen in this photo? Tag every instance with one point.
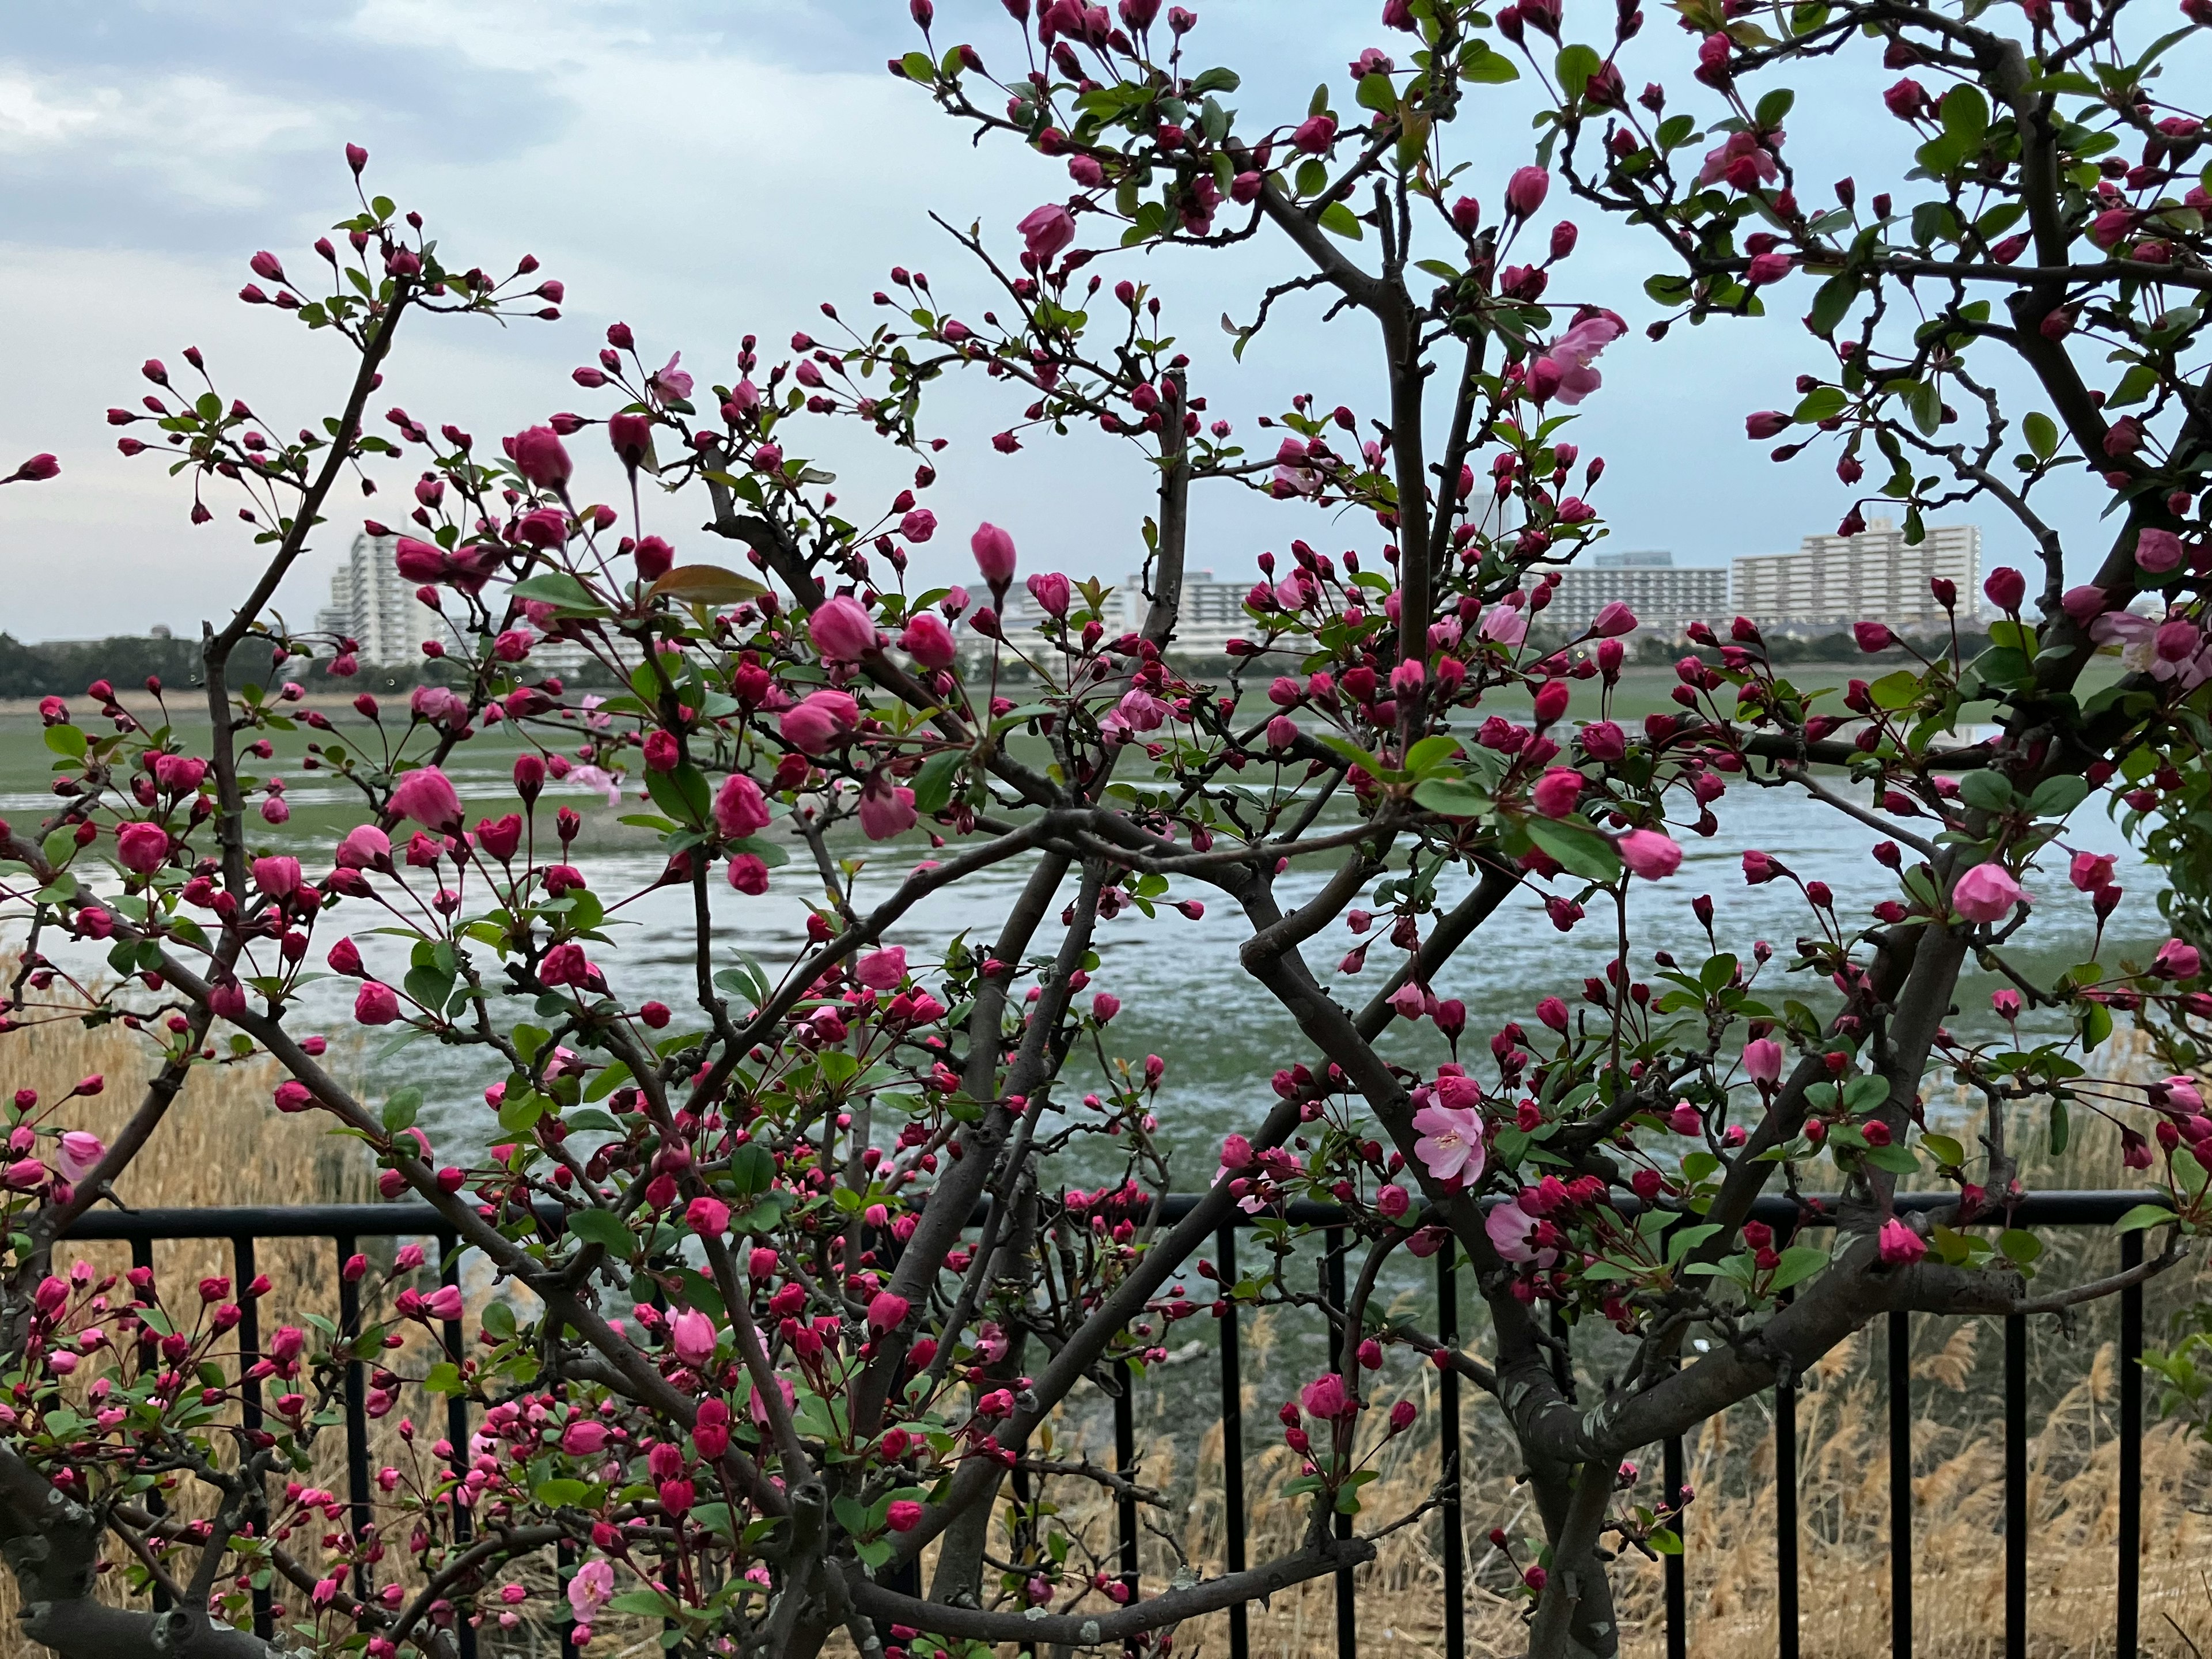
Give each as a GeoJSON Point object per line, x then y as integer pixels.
{"type": "Point", "coordinates": [1987, 893]}
{"type": "Point", "coordinates": [1451, 1146]}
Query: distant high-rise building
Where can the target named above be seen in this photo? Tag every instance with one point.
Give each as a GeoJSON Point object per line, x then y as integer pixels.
{"type": "Point", "coordinates": [1833, 581]}
{"type": "Point", "coordinates": [373, 606]}
{"type": "Point", "coordinates": [1666, 597]}
{"type": "Point", "coordinates": [1212, 613]}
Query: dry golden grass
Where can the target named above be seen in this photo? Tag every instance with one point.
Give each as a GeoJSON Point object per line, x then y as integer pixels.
{"type": "Point", "coordinates": [222, 1143]}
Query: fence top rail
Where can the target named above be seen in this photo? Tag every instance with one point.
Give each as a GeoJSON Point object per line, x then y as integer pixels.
{"type": "Point", "coordinates": [414, 1220]}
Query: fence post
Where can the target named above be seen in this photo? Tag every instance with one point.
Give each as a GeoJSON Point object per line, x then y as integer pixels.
{"type": "Point", "coordinates": [1232, 1438]}
{"type": "Point", "coordinates": [1448, 1437]}
{"type": "Point", "coordinates": [2127, 1629]}
{"type": "Point", "coordinates": [1901, 1485]}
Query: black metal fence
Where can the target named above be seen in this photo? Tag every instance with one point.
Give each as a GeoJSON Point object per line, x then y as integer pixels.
{"type": "Point", "coordinates": [344, 1225]}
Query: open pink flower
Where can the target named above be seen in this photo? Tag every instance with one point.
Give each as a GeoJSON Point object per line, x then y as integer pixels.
{"type": "Point", "coordinates": [1451, 1146]}
{"type": "Point", "coordinates": [427, 796]}
{"type": "Point", "coordinates": [591, 1588]}
{"type": "Point", "coordinates": [1987, 893]}
{"type": "Point", "coordinates": [81, 1152]}
{"type": "Point", "coordinates": [1046, 230]}
{"type": "Point", "coordinates": [1571, 355]}
{"type": "Point", "coordinates": [1510, 1228]}
{"type": "Point", "coordinates": [1900, 1246]}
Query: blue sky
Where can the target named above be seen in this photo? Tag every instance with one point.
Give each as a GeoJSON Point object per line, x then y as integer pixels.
{"type": "Point", "coordinates": [703, 169]}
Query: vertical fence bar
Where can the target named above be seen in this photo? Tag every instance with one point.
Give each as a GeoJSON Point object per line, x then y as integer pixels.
{"type": "Point", "coordinates": [1021, 1535]}
{"type": "Point", "coordinates": [1232, 1439]}
{"type": "Point", "coordinates": [1785, 1520]}
{"type": "Point", "coordinates": [1448, 1437]}
{"type": "Point", "coordinates": [564, 1567]}
{"type": "Point", "coordinates": [141, 1255]}
{"type": "Point", "coordinates": [1124, 1464]}
{"type": "Point", "coordinates": [1678, 1610]}
{"type": "Point", "coordinates": [1347, 1607]}
{"type": "Point", "coordinates": [1901, 1485]}
{"type": "Point", "coordinates": [358, 1513]}
{"type": "Point", "coordinates": [457, 1431]}
{"type": "Point", "coordinates": [2015, 1491]}
{"type": "Point", "coordinates": [249, 1396]}
{"type": "Point", "coordinates": [2127, 1626]}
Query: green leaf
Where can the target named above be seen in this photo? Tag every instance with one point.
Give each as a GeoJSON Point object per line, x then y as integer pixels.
{"type": "Point", "coordinates": [604, 1228]}
{"type": "Point", "coordinates": [498, 1320]}
{"type": "Point", "coordinates": [2056, 797]}
{"type": "Point", "coordinates": [1579, 848]}
{"type": "Point", "coordinates": [1574, 66]}
{"type": "Point", "coordinates": [66, 740]}
{"type": "Point", "coordinates": [753, 1168]}
{"type": "Point", "coordinates": [2143, 1215]}
{"type": "Point", "coordinates": [1986, 792]}
{"type": "Point", "coordinates": [1339, 220]}
{"type": "Point", "coordinates": [1481, 64]}
{"type": "Point", "coordinates": [1965, 114]}
{"type": "Point", "coordinates": [2041, 433]}
{"type": "Point", "coordinates": [562, 590]}
{"type": "Point", "coordinates": [1944, 1149]}
{"type": "Point", "coordinates": [1452, 797]}
{"type": "Point", "coordinates": [1799, 1262]}
{"type": "Point", "coordinates": [2019, 1245]}
{"type": "Point", "coordinates": [1376, 92]}
{"type": "Point", "coordinates": [1430, 752]}
{"type": "Point", "coordinates": [555, 1494]}
{"type": "Point", "coordinates": [932, 785]}
{"type": "Point", "coordinates": [2062, 1130]}
{"type": "Point", "coordinates": [400, 1108]}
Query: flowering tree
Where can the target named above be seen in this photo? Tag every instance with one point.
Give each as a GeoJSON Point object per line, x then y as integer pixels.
{"type": "Point", "coordinates": [759, 1357]}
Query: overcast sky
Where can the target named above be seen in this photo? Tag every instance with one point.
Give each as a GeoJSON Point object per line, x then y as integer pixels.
{"type": "Point", "coordinates": [702, 169]}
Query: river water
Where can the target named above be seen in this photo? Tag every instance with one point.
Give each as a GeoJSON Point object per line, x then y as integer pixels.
{"type": "Point", "coordinates": [1184, 996]}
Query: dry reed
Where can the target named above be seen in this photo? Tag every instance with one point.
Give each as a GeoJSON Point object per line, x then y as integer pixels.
{"type": "Point", "coordinates": [222, 1143]}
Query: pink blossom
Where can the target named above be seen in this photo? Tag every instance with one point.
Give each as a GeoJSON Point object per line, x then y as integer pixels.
{"type": "Point", "coordinates": [995, 555]}
{"type": "Point", "coordinates": [142, 848]}
{"type": "Point", "coordinates": [591, 1588]}
{"type": "Point", "coordinates": [1391, 1200]}
{"type": "Point", "coordinates": [1327, 1398]}
{"type": "Point", "coordinates": [1613, 620]}
{"type": "Point", "coordinates": [1650, 854]}
{"type": "Point", "coordinates": [887, 1312]}
{"type": "Point", "coordinates": [815, 722]}
{"type": "Point", "coordinates": [366, 848]}
{"type": "Point", "coordinates": [1510, 1228]}
{"type": "Point", "coordinates": [928, 641]}
{"type": "Point", "coordinates": [1556, 791]}
{"type": "Point", "coordinates": [583, 1438]}
{"type": "Point", "coordinates": [708, 1217]}
{"type": "Point", "coordinates": [882, 970]}
{"type": "Point", "coordinates": [1051, 590]}
{"type": "Point", "coordinates": [903, 1516]}
{"type": "Point", "coordinates": [1571, 355]}
{"type": "Point", "coordinates": [886, 810]}
{"type": "Point", "coordinates": [376, 1003]}
{"type": "Point", "coordinates": [1046, 230]}
{"type": "Point", "coordinates": [277, 876]}
{"type": "Point", "coordinates": [1986, 893]}
{"type": "Point", "coordinates": [691, 1334]}
{"type": "Point", "coordinates": [1450, 1148]}
{"type": "Point", "coordinates": [1526, 190]}
{"type": "Point", "coordinates": [2157, 550]}
{"type": "Point", "coordinates": [740, 809]}
{"type": "Point", "coordinates": [538, 456]}
{"type": "Point", "coordinates": [840, 630]}
{"type": "Point", "coordinates": [2177, 960]}
{"type": "Point", "coordinates": [81, 1152]}
{"type": "Point", "coordinates": [669, 381]}
{"type": "Point", "coordinates": [2091, 871]}
{"type": "Point", "coordinates": [1508, 624]}
{"type": "Point", "coordinates": [1762, 1060]}
{"type": "Point", "coordinates": [1900, 1245]}
{"type": "Point", "coordinates": [427, 796]}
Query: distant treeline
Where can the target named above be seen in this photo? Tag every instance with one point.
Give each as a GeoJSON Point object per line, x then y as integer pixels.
{"type": "Point", "coordinates": [65, 668]}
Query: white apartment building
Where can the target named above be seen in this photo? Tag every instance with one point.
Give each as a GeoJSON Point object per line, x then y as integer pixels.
{"type": "Point", "coordinates": [1212, 614]}
{"type": "Point", "coordinates": [375, 606]}
{"type": "Point", "coordinates": [1666, 597]}
{"type": "Point", "coordinates": [1831, 581]}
